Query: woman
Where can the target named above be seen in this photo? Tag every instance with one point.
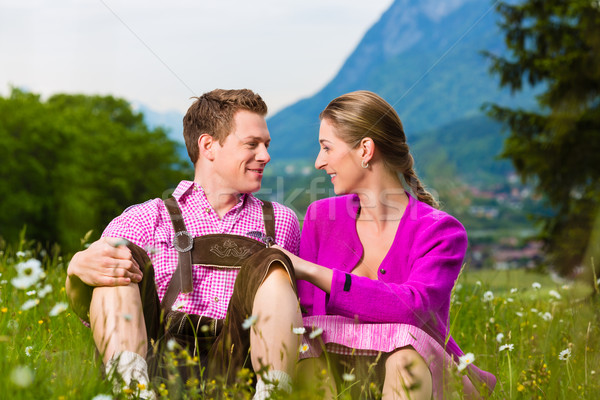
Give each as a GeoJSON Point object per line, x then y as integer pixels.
{"type": "Point", "coordinates": [377, 265]}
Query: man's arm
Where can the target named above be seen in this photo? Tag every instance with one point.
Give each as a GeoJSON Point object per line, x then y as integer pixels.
{"type": "Point", "coordinates": [107, 262]}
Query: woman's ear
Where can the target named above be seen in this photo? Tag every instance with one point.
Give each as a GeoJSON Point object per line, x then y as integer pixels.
{"type": "Point", "coordinates": [367, 149]}
{"type": "Point", "coordinates": [205, 146]}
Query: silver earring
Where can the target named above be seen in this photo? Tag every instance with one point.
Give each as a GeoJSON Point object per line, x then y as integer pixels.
{"type": "Point", "coordinates": [364, 164]}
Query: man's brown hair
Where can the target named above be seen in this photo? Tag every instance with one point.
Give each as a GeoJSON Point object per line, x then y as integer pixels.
{"type": "Point", "coordinates": [213, 113]}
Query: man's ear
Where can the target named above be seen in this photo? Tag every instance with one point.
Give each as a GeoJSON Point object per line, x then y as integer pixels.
{"type": "Point", "coordinates": [205, 146]}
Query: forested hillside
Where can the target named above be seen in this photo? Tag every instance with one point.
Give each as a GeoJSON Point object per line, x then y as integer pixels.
{"type": "Point", "coordinates": [71, 163]}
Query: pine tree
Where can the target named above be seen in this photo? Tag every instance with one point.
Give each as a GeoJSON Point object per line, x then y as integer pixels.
{"type": "Point", "coordinates": [554, 45]}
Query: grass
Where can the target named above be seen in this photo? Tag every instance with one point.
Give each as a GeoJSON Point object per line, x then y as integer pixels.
{"type": "Point", "coordinates": [50, 355]}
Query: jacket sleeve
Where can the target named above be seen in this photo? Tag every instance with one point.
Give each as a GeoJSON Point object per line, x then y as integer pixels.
{"type": "Point", "coordinates": [435, 260]}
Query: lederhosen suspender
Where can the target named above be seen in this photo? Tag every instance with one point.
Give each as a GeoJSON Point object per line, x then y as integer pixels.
{"type": "Point", "coordinates": [216, 250]}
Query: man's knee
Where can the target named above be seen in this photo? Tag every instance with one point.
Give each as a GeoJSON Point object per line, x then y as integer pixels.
{"type": "Point", "coordinates": [277, 271]}
{"type": "Point", "coordinates": [107, 298]}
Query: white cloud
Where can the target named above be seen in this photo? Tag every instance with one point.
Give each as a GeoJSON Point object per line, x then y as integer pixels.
{"type": "Point", "coordinates": [161, 53]}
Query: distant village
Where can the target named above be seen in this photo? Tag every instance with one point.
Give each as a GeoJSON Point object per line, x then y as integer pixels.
{"type": "Point", "coordinates": [504, 247]}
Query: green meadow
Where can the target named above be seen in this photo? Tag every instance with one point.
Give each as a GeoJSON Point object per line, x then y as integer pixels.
{"type": "Point", "coordinates": [540, 338]}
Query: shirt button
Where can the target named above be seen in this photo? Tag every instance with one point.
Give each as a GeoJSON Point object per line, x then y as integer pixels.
{"type": "Point", "coordinates": [216, 299]}
{"type": "Point", "coordinates": [207, 210]}
{"type": "Point", "coordinates": [382, 271]}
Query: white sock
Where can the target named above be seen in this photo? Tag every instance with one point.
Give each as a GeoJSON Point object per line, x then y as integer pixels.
{"type": "Point", "coordinates": [276, 379]}
{"type": "Point", "coordinates": [129, 366]}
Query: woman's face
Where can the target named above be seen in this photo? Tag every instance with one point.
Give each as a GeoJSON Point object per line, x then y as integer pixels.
{"type": "Point", "coordinates": [338, 159]}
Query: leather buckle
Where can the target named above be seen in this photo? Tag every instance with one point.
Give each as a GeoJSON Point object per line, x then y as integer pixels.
{"type": "Point", "coordinates": [269, 241]}
{"type": "Point", "coordinates": [188, 246]}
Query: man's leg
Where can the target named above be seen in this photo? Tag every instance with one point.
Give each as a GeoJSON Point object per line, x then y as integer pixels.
{"type": "Point", "coordinates": [273, 343]}
{"type": "Point", "coordinates": [119, 331]}
{"type": "Point", "coordinates": [117, 320]}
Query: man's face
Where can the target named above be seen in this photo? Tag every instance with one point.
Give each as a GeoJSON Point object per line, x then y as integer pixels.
{"type": "Point", "coordinates": [241, 159]}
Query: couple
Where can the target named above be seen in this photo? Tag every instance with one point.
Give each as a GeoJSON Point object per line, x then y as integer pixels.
{"type": "Point", "coordinates": [375, 269]}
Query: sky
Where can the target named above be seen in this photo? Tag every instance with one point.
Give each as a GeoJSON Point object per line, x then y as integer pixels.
{"type": "Point", "coordinates": [161, 53]}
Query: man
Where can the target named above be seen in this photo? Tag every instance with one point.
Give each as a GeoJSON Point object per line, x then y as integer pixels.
{"type": "Point", "coordinates": [227, 139]}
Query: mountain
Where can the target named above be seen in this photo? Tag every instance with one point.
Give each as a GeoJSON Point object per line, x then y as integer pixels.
{"type": "Point", "coordinates": [172, 121]}
{"type": "Point", "coordinates": [422, 56]}
{"type": "Point", "coordinates": [468, 149]}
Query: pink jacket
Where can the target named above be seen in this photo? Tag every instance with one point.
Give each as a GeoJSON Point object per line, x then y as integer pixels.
{"type": "Point", "coordinates": [415, 279]}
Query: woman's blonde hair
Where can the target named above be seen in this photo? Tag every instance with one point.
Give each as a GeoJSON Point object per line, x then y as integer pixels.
{"type": "Point", "coordinates": [361, 114]}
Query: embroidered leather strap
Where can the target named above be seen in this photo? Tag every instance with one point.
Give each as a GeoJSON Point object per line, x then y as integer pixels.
{"type": "Point", "coordinates": [269, 219]}
{"type": "Point", "coordinates": [182, 280]}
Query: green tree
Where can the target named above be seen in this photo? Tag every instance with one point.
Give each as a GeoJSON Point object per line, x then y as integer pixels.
{"type": "Point", "coordinates": [74, 162]}
{"type": "Point", "coordinates": [555, 45]}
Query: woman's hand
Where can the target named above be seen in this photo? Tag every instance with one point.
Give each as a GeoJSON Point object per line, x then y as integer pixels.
{"type": "Point", "coordinates": [107, 262]}
{"type": "Point", "coordinates": [299, 264]}
{"type": "Point", "coordinates": [313, 273]}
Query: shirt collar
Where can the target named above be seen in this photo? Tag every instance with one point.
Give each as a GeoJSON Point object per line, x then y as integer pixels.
{"type": "Point", "coordinates": [187, 188]}
{"type": "Point", "coordinates": [183, 188]}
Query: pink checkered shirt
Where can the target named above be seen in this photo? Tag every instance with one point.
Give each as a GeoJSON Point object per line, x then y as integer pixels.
{"type": "Point", "coordinates": [149, 226]}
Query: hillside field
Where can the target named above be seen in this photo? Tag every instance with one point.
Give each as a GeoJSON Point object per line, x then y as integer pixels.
{"type": "Point", "coordinates": [541, 339]}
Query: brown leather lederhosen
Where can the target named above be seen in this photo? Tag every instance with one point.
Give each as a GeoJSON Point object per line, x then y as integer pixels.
{"type": "Point", "coordinates": [202, 335]}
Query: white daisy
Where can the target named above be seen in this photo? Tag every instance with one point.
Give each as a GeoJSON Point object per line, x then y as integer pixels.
{"type": "Point", "coordinates": [29, 273]}
{"type": "Point", "coordinates": [464, 361]}
{"type": "Point", "coordinates": [348, 377]}
{"type": "Point", "coordinates": [44, 291]}
{"type": "Point", "coordinates": [508, 347]}
{"type": "Point", "coordinates": [546, 316]}
{"type": "Point", "coordinates": [555, 294]}
{"type": "Point", "coordinates": [248, 322]}
{"type": "Point", "coordinates": [564, 355]}
{"type": "Point", "coordinates": [58, 308]}
{"type": "Point", "coordinates": [22, 376]}
{"type": "Point", "coordinates": [30, 304]}
{"type": "Point", "coordinates": [315, 332]}
{"type": "Point", "coordinates": [500, 337]}
{"type": "Point", "coordinates": [303, 348]}
{"type": "Point", "coordinates": [102, 397]}
{"type": "Point", "coordinates": [488, 296]}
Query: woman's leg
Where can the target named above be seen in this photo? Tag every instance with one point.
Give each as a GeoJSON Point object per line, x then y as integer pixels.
{"type": "Point", "coordinates": [407, 376]}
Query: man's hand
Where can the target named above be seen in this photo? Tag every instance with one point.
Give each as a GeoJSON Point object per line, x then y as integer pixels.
{"type": "Point", "coordinates": [107, 262]}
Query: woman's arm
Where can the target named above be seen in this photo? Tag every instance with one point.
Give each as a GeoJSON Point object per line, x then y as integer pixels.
{"type": "Point", "coordinates": [435, 259]}
{"type": "Point", "coordinates": [318, 275]}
